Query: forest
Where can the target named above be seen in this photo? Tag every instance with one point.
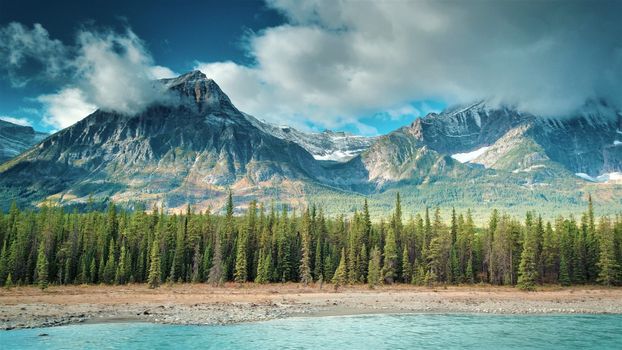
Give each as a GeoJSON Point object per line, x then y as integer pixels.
{"type": "Point", "coordinates": [263, 244]}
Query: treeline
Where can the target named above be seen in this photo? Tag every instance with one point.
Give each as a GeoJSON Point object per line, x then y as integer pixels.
{"type": "Point", "coordinates": [117, 246]}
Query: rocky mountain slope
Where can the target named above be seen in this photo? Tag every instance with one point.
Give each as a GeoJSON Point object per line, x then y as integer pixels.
{"type": "Point", "coordinates": [328, 145]}
{"type": "Point", "coordinates": [15, 139]}
{"type": "Point", "coordinates": [189, 149]}
{"type": "Point", "coordinates": [195, 145]}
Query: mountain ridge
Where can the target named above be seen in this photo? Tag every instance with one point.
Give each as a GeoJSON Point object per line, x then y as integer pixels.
{"type": "Point", "coordinates": [194, 145]}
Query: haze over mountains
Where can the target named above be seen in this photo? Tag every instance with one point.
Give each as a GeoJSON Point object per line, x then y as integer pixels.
{"type": "Point", "coordinates": [194, 145]}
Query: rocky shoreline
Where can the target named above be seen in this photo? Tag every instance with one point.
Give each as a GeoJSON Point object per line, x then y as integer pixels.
{"type": "Point", "coordinates": [200, 305]}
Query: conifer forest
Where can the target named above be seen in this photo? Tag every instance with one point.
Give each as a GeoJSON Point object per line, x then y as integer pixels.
{"type": "Point", "coordinates": [269, 244]}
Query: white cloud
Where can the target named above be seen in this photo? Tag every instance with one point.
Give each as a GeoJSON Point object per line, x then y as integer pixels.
{"type": "Point", "coordinates": [332, 64]}
{"type": "Point", "coordinates": [65, 107]}
{"type": "Point", "coordinates": [161, 72]}
{"type": "Point", "coordinates": [116, 72]}
{"type": "Point", "coordinates": [103, 69]}
{"type": "Point", "coordinates": [14, 120]}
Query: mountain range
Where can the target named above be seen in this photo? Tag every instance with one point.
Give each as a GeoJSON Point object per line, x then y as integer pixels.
{"type": "Point", "coordinates": [195, 145]}
{"type": "Point", "coordinates": [15, 139]}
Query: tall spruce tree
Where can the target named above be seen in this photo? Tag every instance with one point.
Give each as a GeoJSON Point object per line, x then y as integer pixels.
{"type": "Point", "coordinates": [42, 267]}
{"type": "Point", "coordinates": [607, 263]}
{"type": "Point", "coordinates": [154, 278]}
{"type": "Point", "coordinates": [305, 267]}
{"type": "Point", "coordinates": [390, 257]}
{"type": "Point", "coordinates": [527, 270]}
{"type": "Point", "coordinates": [340, 277]}
{"type": "Point", "coordinates": [373, 270]}
{"type": "Point", "coordinates": [216, 276]}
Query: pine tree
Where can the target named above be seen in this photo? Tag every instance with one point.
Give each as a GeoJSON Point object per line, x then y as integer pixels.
{"type": "Point", "coordinates": [263, 267]}
{"type": "Point", "coordinates": [216, 277]}
{"type": "Point", "coordinates": [318, 271]}
{"type": "Point", "coordinates": [341, 275]}
{"type": "Point", "coordinates": [4, 263]}
{"type": "Point", "coordinates": [469, 271]}
{"type": "Point", "coordinates": [607, 262]}
{"type": "Point", "coordinates": [8, 284]}
{"type": "Point", "coordinates": [42, 267]}
{"type": "Point", "coordinates": [390, 257]}
{"type": "Point", "coordinates": [406, 266]}
{"type": "Point", "coordinates": [564, 275]}
{"type": "Point", "coordinates": [197, 264]}
{"type": "Point", "coordinates": [207, 262]}
{"type": "Point", "coordinates": [363, 263]}
{"type": "Point", "coordinates": [373, 270]}
{"type": "Point", "coordinates": [305, 233]}
{"type": "Point", "coordinates": [241, 272]}
{"type": "Point", "coordinates": [527, 270]}
{"type": "Point", "coordinates": [121, 277]}
{"type": "Point", "coordinates": [154, 278]}
{"type": "Point", "coordinates": [109, 269]}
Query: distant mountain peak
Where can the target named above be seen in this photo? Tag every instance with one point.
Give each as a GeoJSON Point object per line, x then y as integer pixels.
{"type": "Point", "coordinates": [200, 88]}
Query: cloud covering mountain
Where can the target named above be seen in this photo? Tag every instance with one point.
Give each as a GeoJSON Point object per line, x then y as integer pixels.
{"type": "Point", "coordinates": [337, 63]}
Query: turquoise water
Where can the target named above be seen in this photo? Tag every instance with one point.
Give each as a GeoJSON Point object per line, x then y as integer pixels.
{"type": "Point", "coordinates": [414, 331]}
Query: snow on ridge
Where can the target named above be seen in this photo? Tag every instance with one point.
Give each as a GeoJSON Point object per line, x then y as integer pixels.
{"type": "Point", "coordinates": [468, 157]}
{"type": "Point", "coordinates": [617, 143]}
{"type": "Point", "coordinates": [604, 178]}
{"type": "Point", "coordinates": [338, 155]}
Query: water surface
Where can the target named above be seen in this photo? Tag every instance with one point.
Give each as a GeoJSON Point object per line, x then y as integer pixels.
{"type": "Point", "coordinates": [403, 331]}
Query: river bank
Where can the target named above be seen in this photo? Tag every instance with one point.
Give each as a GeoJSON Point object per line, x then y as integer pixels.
{"type": "Point", "coordinates": [28, 307]}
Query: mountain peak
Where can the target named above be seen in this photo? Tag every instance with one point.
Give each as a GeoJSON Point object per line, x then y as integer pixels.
{"type": "Point", "coordinates": [197, 85]}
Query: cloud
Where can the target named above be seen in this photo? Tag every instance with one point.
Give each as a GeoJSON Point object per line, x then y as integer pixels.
{"type": "Point", "coordinates": [14, 120]}
{"type": "Point", "coordinates": [333, 64]}
{"type": "Point", "coordinates": [103, 69]}
{"type": "Point", "coordinates": [116, 71]}
{"type": "Point", "coordinates": [22, 49]}
{"type": "Point", "coordinates": [161, 72]}
{"type": "Point", "coordinates": [65, 108]}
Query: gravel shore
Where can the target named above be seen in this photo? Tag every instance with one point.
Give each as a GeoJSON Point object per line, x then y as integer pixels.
{"type": "Point", "coordinates": [197, 304]}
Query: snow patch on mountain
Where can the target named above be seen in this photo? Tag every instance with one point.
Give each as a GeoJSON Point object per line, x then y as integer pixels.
{"type": "Point", "coordinates": [604, 178]}
{"type": "Point", "coordinates": [469, 157]}
{"type": "Point", "coordinates": [327, 145]}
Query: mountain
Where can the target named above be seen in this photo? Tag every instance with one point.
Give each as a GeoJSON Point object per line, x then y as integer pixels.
{"type": "Point", "coordinates": [189, 148]}
{"type": "Point", "coordinates": [503, 138]}
{"type": "Point", "coordinates": [328, 145]}
{"type": "Point", "coordinates": [194, 145]}
{"type": "Point", "coordinates": [15, 139]}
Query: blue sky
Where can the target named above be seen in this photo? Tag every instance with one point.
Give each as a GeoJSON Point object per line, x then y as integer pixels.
{"type": "Point", "coordinates": [367, 67]}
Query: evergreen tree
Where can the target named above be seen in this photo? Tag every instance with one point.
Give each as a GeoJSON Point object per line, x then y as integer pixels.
{"type": "Point", "coordinates": [8, 284]}
{"type": "Point", "coordinates": [564, 275]}
{"type": "Point", "coordinates": [340, 277]}
{"type": "Point", "coordinates": [154, 278]}
{"type": "Point", "coordinates": [305, 267]}
{"type": "Point", "coordinates": [527, 270]}
{"type": "Point", "coordinates": [121, 274]}
{"type": "Point", "coordinates": [406, 266]}
{"type": "Point", "coordinates": [4, 263]}
{"type": "Point", "coordinates": [42, 267]}
{"type": "Point", "coordinates": [318, 271]}
{"type": "Point", "coordinates": [109, 269]}
{"type": "Point", "coordinates": [241, 272]}
{"type": "Point", "coordinates": [263, 267]}
{"type": "Point", "coordinates": [363, 263]}
{"type": "Point", "coordinates": [607, 262]}
{"type": "Point", "coordinates": [373, 270]}
{"type": "Point", "coordinates": [216, 277]}
{"type": "Point", "coordinates": [390, 257]}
